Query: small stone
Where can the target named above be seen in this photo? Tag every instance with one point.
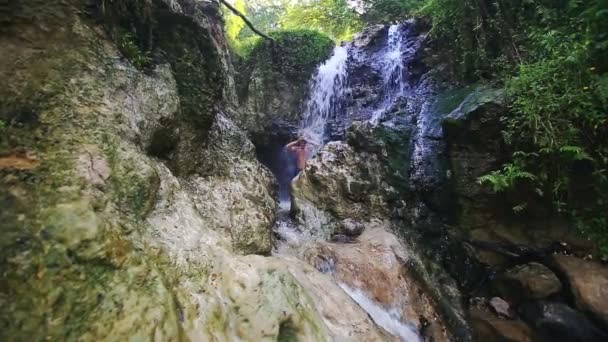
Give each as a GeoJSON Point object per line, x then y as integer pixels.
{"type": "Point", "coordinates": [501, 307]}
{"type": "Point", "coordinates": [350, 227]}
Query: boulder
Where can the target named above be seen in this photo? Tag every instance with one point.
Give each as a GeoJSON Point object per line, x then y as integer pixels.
{"type": "Point", "coordinates": [559, 322]}
{"type": "Point", "coordinates": [340, 184]}
{"type": "Point", "coordinates": [531, 281]}
{"type": "Point", "coordinates": [588, 283]}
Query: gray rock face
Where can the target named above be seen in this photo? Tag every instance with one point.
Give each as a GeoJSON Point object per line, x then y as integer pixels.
{"type": "Point", "coordinates": [531, 281]}
{"type": "Point", "coordinates": [588, 283]}
{"type": "Point", "coordinates": [471, 129]}
{"type": "Point", "coordinates": [350, 182]}
{"type": "Point", "coordinates": [343, 184]}
{"type": "Point", "coordinates": [274, 83]}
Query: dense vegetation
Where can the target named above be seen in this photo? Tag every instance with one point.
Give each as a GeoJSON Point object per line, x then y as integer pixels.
{"type": "Point", "coordinates": [552, 59]}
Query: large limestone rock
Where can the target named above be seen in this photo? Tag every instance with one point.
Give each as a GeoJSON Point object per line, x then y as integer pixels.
{"type": "Point", "coordinates": [127, 205]}
{"type": "Point", "coordinates": [273, 82]}
{"type": "Point", "coordinates": [588, 282]}
{"type": "Point", "coordinates": [343, 184]}
{"type": "Point", "coordinates": [376, 271]}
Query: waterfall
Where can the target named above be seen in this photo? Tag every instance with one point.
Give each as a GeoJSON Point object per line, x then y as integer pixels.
{"type": "Point", "coordinates": [390, 65]}
{"type": "Point", "coordinates": [327, 89]}
{"type": "Point", "coordinates": [331, 107]}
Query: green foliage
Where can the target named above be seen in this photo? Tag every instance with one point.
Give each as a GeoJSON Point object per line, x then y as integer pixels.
{"type": "Point", "coordinates": [554, 59]}
{"type": "Point", "coordinates": [128, 47]}
{"type": "Point", "coordinates": [332, 17]}
{"type": "Point", "coordinates": [234, 26]}
{"type": "Point", "coordinates": [506, 178]}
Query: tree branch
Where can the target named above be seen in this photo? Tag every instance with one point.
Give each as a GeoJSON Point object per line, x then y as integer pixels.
{"type": "Point", "coordinates": [242, 16]}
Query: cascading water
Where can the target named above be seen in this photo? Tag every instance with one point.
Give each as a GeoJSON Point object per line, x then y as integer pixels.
{"type": "Point", "coordinates": [391, 70]}
{"type": "Point", "coordinates": [327, 90]}
{"type": "Point", "coordinates": [389, 320]}
{"type": "Point", "coordinates": [328, 103]}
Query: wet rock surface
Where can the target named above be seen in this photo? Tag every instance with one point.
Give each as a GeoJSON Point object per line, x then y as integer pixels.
{"type": "Point", "coordinates": [375, 271]}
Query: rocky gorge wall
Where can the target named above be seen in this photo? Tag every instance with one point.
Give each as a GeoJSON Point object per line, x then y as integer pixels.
{"type": "Point", "coordinates": [132, 205]}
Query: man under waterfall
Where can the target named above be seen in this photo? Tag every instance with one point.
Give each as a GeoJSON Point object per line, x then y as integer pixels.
{"type": "Point", "coordinates": [299, 148]}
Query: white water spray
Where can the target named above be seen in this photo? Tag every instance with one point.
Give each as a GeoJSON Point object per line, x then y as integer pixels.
{"type": "Point", "coordinates": [327, 88]}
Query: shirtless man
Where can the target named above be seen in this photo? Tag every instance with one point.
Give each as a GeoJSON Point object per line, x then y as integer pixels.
{"type": "Point", "coordinates": [300, 150]}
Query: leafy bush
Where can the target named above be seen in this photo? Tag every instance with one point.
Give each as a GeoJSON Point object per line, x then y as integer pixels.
{"type": "Point", "coordinates": [128, 47]}
{"type": "Point", "coordinates": [506, 178]}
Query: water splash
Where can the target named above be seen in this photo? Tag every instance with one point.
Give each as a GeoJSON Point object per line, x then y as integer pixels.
{"type": "Point", "coordinates": [389, 320]}
{"type": "Point", "coordinates": [327, 89]}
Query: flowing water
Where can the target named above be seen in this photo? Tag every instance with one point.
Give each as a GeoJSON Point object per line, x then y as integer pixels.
{"type": "Point", "coordinates": [329, 89]}
{"type": "Point", "coordinates": [391, 70]}
{"type": "Point", "coordinates": [389, 320]}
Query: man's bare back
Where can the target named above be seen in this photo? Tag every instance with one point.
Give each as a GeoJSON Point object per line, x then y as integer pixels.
{"type": "Point", "coordinates": [300, 151]}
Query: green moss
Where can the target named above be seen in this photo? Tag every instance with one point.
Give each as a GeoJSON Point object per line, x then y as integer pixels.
{"type": "Point", "coordinates": [452, 124]}
{"type": "Point", "coordinates": [134, 185]}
